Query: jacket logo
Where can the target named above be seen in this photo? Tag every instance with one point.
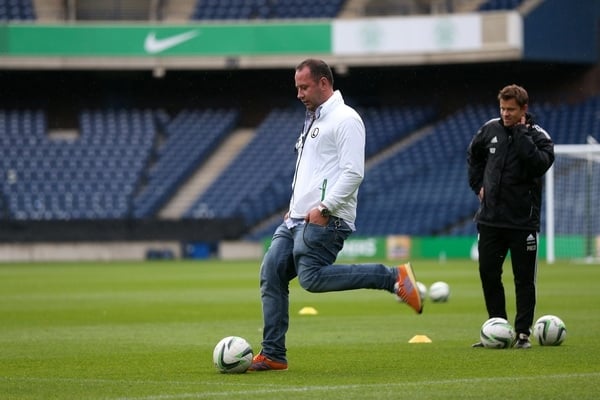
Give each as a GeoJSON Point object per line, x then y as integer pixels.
{"type": "Point", "coordinates": [314, 133]}
{"type": "Point", "coordinates": [494, 139]}
{"type": "Point", "coordinates": [492, 150]}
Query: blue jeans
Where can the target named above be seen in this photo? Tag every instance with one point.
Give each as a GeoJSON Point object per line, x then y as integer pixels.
{"type": "Point", "coordinates": [308, 251]}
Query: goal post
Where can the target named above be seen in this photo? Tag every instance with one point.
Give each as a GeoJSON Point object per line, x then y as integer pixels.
{"type": "Point", "coordinates": [573, 204]}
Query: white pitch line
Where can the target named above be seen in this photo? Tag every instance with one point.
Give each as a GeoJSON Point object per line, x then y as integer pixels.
{"type": "Point", "coordinates": [273, 388]}
{"type": "Point", "coordinates": [308, 389]}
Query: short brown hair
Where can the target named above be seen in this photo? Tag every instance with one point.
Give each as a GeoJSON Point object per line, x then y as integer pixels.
{"type": "Point", "coordinates": [318, 69]}
{"type": "Point", "coordinates": [514, 92]}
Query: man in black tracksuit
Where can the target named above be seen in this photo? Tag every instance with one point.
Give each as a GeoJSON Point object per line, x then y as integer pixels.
{"type": "Point", "coordinates": [507, 159]}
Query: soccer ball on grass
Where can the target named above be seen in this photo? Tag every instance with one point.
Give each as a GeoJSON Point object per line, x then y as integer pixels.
{"type": "Point", "coordinates": [439, 292]}
{"type": "Point", "coordinates": [497, 333]}
{"type": "Point", "coordinates": [232, 355]}
{"type": "Point", "coordinates": [549, 330]}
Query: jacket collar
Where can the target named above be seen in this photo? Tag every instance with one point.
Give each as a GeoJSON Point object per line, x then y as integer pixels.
{"type": "Point", "coordinates": [332, 102]}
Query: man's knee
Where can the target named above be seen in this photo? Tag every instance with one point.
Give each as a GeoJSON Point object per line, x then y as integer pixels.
{"type": "Point", "coordinates": [308, 280]}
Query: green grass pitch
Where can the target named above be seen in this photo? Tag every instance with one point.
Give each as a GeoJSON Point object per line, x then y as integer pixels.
{"type": "Point", "coordinates": [146, 331]}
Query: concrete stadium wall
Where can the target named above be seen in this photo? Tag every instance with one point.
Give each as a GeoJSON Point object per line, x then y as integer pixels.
{"type": "Point", "coordinates": [118, 251]}
{"type": "Point", "coordinates": [87, 251]}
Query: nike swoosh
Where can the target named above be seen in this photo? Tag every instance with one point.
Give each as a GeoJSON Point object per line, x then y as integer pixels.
{"type": "Point", "coordinates": [153, 45]}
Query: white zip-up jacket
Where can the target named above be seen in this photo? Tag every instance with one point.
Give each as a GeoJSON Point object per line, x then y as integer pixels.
{"type": "Point", "coordinates": [330, 166]}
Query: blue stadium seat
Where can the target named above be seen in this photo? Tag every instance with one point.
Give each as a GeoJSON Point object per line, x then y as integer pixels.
{"type": "Point", "coordinates": [15, 10]}
{"type": "Point", "coordinates": [265, 9]}
{"type": "Point", "coordinates": [493, 5]}
{"type": "Point", "coordinates": [117, 168]}
{"type": "Point", "coordinates": [48, 173]}
{"type": "Point", "coordinates": [269, 157]}
{"type": "Point", "coordinates": [191, 136]}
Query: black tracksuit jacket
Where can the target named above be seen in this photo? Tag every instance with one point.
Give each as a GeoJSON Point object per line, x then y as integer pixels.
{"type": "Point", "coordinates": [509, 164]}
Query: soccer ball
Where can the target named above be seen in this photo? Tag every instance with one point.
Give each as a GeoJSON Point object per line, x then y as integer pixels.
{"type": "Point", "coordinates": [232, 354]}
{"type": "Point", "coordinates": [549, 330]}
{"type": "Point", "coordinates": [497, 333]}
{"type": "Point", "coordinates": [439, 292]}
{"type": "Point", "coordinates": [495, 320]}
{"type": "Point", "coordinates": [422, 290]}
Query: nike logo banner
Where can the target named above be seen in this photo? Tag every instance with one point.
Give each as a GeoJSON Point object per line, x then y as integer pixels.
{"type": "Point", "coordinates": [140, 40]}
{"type": "Point", "coordinates": [152, 45]}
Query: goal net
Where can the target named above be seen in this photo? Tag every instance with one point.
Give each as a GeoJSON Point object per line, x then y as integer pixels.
{"type": "Point", "coordinates": [573, 204]}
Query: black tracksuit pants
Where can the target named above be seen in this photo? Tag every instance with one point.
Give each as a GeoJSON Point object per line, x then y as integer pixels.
{"type": "Point", "coordinates": [494, 244]}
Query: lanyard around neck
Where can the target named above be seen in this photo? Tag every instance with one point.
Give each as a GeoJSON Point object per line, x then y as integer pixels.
{"type": "Point", "coordinates": [300, 148]}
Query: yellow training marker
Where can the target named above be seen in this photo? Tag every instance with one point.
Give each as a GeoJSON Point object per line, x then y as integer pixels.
{"type": "Point", "coordinates": [420, 339]}
{"type": "Point", "coordinates": [308, 311]}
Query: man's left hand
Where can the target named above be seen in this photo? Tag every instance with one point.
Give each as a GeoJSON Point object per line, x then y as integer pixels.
{"type": "Point", "coordinates": [314, 217]}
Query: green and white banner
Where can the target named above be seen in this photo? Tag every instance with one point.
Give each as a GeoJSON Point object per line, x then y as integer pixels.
{"type": "Point", "coordinates": [167, 41]}
{"type": "Point", "coordinates": [362, 37]}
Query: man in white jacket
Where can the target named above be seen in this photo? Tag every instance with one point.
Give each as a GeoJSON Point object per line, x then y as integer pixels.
{"type": "Point", "coordinates": [329, 171]}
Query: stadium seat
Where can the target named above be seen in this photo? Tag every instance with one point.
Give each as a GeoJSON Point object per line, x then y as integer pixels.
{"type": "Point", "coordinates": [190, 138]}
{"type": "Point", "coordinates": [265, 9]}
{"type": "Point", "coordinates": [118, 168]}
{"type": "Point", "coordinates": [50, 174]}
{"type": "Point", "coordinates": [15, 10]}
{"type": "Point", "coordinates": [493, 5]}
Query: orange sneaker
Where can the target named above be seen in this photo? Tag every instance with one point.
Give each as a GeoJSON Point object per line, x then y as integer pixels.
{"type": "Point", "coordinates": [262, 363]}
{"type": "Point", "coordinates": [406, 288]}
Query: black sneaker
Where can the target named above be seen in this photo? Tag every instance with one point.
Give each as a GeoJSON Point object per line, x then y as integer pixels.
{"type": "Point", "coordinates": [522, 341]}
{"type": "Point", "coordinates": [478, 344]}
